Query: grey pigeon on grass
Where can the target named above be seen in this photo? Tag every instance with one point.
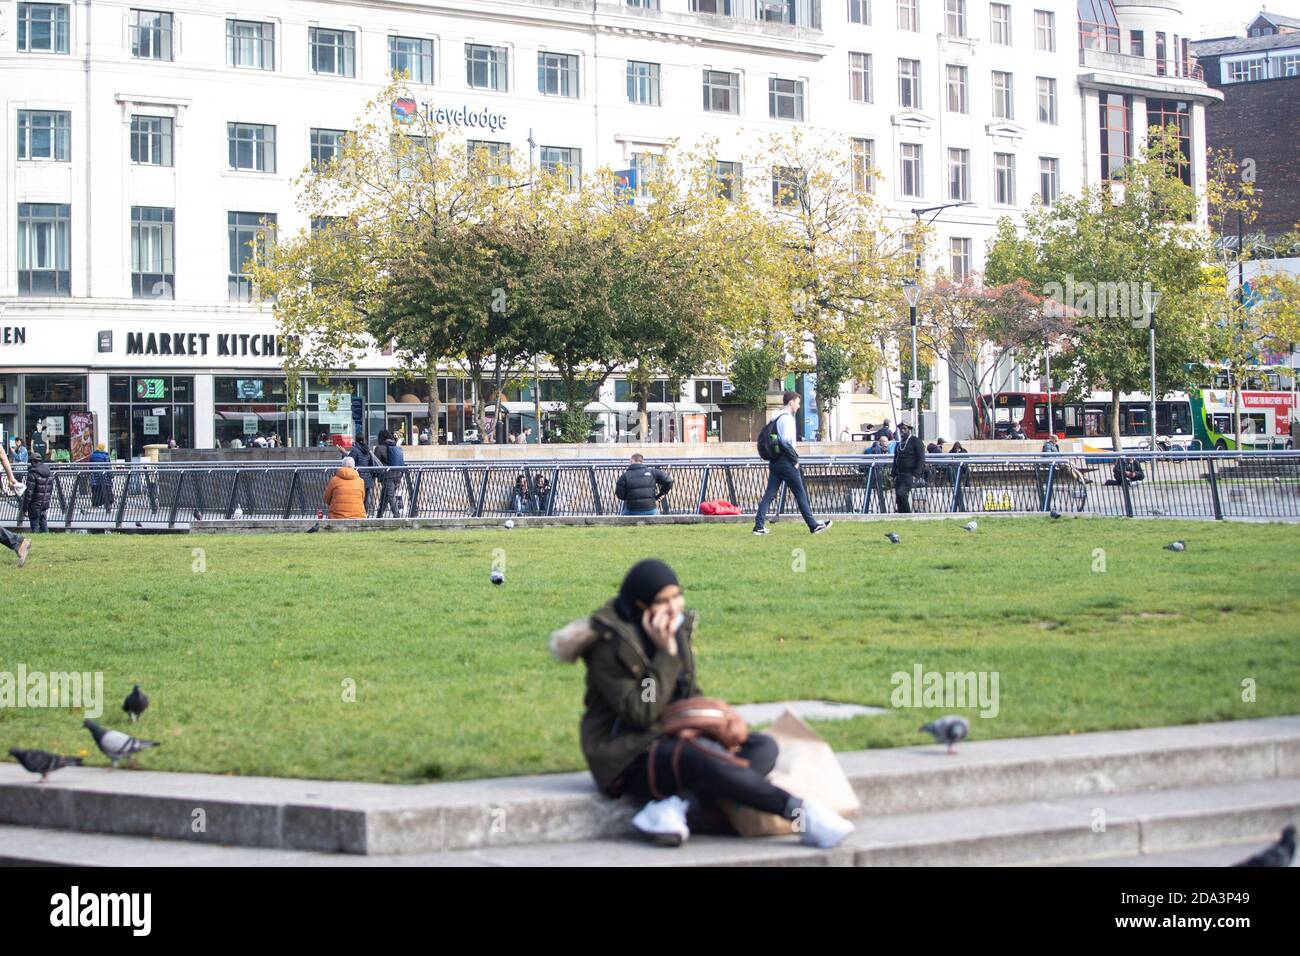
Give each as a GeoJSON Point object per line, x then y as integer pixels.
{"type": "Point", "coordinates": [42, 761]}
{"type": "Point", "coordinates": [893, 538]}
{"type": "Point", "coordinates": [1055, 514]}
{"type": "Point", "coordinates": [498, 578]}
{"type": "Point", "coordinates": [1279, 854]}
{"type": "Point", "coordinates": [970, 525]}
{"type": "Point", "coordinates": [136, 703]}
{"type": "Point", "coordinates": [948, 730]}
{"type": "Point", "coordinates": [1176, 546]}
{"type": "Point", "coordinates": [115, 744]}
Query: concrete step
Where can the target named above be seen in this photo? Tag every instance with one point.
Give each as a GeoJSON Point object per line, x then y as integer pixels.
{"type": "Point", "coordinates": [360, 818]}
{"type": "Point", "coordinates": [1206, 826]}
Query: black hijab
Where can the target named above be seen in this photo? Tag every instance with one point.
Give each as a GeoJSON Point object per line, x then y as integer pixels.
{"type": "Point", "coordinates": [645, 579]}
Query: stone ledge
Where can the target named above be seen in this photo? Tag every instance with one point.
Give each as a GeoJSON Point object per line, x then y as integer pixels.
{"type": "Point", "coordinates": [361, 818]}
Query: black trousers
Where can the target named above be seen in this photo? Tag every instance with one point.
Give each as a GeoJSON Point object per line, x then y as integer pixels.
{"type": "Point", "coordinates": [902, 491]}
{"type": "Point", "coordinates": [388, 497]}
{"type": "Point", "coordinates": [9, 539]}
{"type": "Point", "coordinates": [701, 768]}
{"type": "Point", "coordinates": [35, 518]}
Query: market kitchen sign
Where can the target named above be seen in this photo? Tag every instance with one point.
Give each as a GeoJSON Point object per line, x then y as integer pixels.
{"type": "Point", "coordinates": [204, 343]}
{"type": "Point", "coordinates": [405, 111]}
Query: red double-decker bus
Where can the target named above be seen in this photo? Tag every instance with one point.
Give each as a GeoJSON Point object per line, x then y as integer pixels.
{"type": "Point", "coordinates": [1088, 421]}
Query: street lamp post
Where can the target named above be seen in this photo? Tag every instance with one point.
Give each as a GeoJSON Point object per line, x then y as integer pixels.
{"type": "Point", "coordinates": [1151, 334]}
{"type": "Point", "coordinates": [912, 290]}
{"type": "Point", "coordinates": [1150, 298]}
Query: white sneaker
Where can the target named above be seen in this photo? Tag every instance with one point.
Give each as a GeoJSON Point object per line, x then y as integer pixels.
{"type": "Point", "coordinates": [821, 826]}
{"type": "Point", "coordinates": [664, 821]}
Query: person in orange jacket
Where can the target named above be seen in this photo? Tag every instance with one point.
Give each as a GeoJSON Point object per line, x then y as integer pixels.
{"type": "Point", "coordinates": [345, 495]}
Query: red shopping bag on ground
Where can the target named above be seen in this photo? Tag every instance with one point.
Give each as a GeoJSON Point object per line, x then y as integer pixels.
{"type": "Point", "coordinates": [718, 506]}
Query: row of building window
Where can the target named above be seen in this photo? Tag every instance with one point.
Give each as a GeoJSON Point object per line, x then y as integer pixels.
{"type": "Point", "coordinates": [46, 134]}
{"type": "Point", "coordinates": [907, 16]}
{"type": "Point", "coordinates": [957, 86]}
{"type": "Point", "coordinates": [44, 236]}
{"type": "Point", "coordinates": [1263, 68]}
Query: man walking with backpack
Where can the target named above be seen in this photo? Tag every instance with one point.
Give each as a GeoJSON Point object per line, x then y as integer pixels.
{"type": "Point", "coordinates": [776, 447]}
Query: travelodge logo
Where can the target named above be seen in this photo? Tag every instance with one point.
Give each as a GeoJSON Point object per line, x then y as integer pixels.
{"type": "Point", "coordinates": [404, 111]}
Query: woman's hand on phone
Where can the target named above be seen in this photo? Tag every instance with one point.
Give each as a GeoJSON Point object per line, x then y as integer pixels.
{"type": "Point", "coordinates": [658, 623]}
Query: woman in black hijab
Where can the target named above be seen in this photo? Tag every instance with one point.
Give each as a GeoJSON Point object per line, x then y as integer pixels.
{"type": "Point", "coordinates": [639, 656]}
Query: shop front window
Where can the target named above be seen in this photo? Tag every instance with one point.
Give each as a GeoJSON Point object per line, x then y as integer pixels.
{"type": "Point", "coordinates": [56, 423]}
{"type": "Point", "coordinates": [250, 411]}
{"type": "Point", "coordinates": [149, 410]}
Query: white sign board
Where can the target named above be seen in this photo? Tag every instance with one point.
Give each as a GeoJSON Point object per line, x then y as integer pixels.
{"type": "Point", "coordinates": [150, 425]}
{"type": "Point", "coordinates": [250, 424]}
{"type": "Point", "coordinates": [914, 388]}
{"type": "Point", "coordinates": [54, 426]}
{"type": "Point", "coordinates": [338, 418]}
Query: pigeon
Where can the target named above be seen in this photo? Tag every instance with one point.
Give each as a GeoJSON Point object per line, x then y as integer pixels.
{"type": "Point", "coordinates": [42, 761]}
{"type": "Point", "coordinates": [115, 744]}
{"type": "Point", "coordinates": [1055, 514]}
{"type": "Point", "coordinates": [239, 511]}
{"type": "Point", "coordinates": [509, 524]}
{"type": "Point", "coordinates": [947, 730]}
{"type": "Point", "coordinates": [136, 703]}
{"type": "Point", "coordinates": [314, 528]}
{"type": "Point", "coordinates": [893, 538]}
{"type": "Point", "coordinates": [970, 525]}
{"type": "Point", "coordinates": [197, 516]}
{"type": "Point", "coordinates": [1279, 854]}
{"type": "Point", "coordinates": [1176, 546]}
{"type": "Point", "coordinates": [498, 578]}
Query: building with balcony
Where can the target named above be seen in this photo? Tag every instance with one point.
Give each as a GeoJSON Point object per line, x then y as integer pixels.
{"type": "Point", "coordinates": [142, 146]}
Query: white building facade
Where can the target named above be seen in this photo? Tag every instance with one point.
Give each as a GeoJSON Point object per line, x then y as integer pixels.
{"type": "Point", "coordinates": [141, 145]}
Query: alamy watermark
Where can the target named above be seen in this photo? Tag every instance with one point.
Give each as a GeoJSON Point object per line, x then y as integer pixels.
{"type": "Point", "coordinates": [80, 689]}
{"type": "Point", "coordinates": [1134, 301]}
{"type": "Point", "coordinates": [952, 690]}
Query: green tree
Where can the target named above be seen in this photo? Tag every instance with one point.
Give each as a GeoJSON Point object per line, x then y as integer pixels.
{"type": "Point", "coordinates": [1106, 253]}
{"type": "Point", "coordinates": [838, 259]}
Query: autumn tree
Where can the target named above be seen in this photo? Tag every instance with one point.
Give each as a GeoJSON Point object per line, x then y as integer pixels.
{"type": "Point", "coordinates": [1109, 252]}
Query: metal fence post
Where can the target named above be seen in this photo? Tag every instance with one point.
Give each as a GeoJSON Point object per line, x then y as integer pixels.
{"type": "Point", "coordinates": [176, 498]}
{"type": "Point", "coordinates": [704, 488]}
{"type": "Point", "coordinates": [552, 491]}
{"type": "Point", "coordinates": [482, 493]}
{"type": "Point", "coordinates": [1215, 502]}
{"type": "Point", "coordinates": [121, 507]}
{"type": "Point", "coordinates": [69, 504]}
{"type": "Point", "coordinates": [731, 484]}
{"type": "Point", "coordinates": [234, 491]}
{"type": "Point", "coordinates": [595, 489]}
{"type": "Point", "coordinates": [413, 511]}
{"type": "Point", "coordinates": [293, 489]}
{"type": "Point", "coordinates": [958, 499]}
{"type": "Point", "coordinates": [1128, 498]}
{"type": "Point", "coordinates": [1047, 493]}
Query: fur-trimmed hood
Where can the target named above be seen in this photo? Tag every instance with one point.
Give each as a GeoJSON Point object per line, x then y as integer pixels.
{"type": "Point", "coordinates": [571, 641]}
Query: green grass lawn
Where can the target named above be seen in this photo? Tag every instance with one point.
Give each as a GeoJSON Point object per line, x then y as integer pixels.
{"type": "Point", "coordinates": [247, 660]}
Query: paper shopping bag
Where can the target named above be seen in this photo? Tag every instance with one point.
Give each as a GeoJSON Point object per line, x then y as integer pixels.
{"type": "Point", "coordinates": [805, 767]}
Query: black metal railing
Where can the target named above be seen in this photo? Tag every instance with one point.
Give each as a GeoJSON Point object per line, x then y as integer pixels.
{"type": "Point", "coordinates": [1187, 484]}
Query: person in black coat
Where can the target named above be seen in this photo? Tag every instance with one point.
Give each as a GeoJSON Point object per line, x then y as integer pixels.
{"type": "Point", "coordinates": [641, 486]}
{"type": "Point", "coordinates": [389, 455]}
{"type": "Point", "coordinates": [909, 466]}
{"type": "Point", "coordinates": [36, 499]}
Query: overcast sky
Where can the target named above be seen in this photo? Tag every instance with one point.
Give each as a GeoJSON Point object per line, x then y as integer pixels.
{"type": "Point", "coordinates": [1216, 18]}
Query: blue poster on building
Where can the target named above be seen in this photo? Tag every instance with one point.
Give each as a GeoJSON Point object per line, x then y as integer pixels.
{"type": "Point", "coordinates": [808, 405]}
